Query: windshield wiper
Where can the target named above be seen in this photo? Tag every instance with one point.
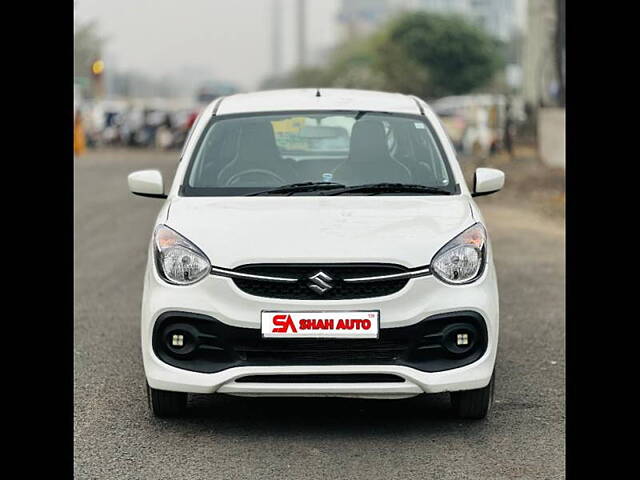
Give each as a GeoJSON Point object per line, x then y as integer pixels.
{"type": "Point", "coordinates": [376, 188]}
{"type": "Point", "coordinates": [298, 187]}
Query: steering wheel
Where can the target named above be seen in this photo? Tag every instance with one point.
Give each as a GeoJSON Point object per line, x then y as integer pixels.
{"type": "Point", "coordinates": [256, 172]}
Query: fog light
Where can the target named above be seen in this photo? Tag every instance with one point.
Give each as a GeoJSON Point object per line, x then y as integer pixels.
{"type": "Point", "coordinates": [177, 340]}
{"type": "Point", "coordinates": [180, 339]}
{"type": "Point", "coordinates": [459, 338]}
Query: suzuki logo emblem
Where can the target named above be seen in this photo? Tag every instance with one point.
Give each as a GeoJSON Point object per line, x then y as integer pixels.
{"type": "Point", "coordinates": [319, 283]}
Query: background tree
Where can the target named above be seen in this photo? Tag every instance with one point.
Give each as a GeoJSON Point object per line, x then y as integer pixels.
{"type": "Point", "coordinates": [418, 53]}
{"type": "Point", "coordinates": [458, 55]}
{"type": "Point", "coordinates": [87, 48]}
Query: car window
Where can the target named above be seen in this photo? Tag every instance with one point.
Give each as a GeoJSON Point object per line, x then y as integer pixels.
{"type": "Point", "coordinates": [237, 153]}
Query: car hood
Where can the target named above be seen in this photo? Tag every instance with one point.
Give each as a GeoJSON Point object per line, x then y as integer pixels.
{"type": "Point", "coordinates": [405, 230]}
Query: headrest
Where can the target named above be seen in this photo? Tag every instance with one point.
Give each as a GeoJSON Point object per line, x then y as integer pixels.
{"type": "Point", "coordinates": [257, 143]}
{"type": "Point", "coordinates": [368, 142]}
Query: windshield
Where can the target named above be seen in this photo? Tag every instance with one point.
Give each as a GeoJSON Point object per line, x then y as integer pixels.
{"type": "Point", "coordinates": [243, 154]}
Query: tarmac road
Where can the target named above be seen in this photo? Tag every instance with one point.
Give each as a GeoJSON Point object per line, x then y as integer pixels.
{"type": "Point", "coordinates": [229, 437]}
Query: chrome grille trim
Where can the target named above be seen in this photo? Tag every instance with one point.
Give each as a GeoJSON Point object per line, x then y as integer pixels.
{"type": "Point", "coordinates": [394, 276]}
{"type": "Point", "coordinates": [223, 272]}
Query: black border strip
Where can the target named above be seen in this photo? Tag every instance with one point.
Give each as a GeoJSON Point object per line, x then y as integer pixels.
{"type": "Point", "coordinates": [415, 99]}
{"type": "Point", "coordinates": [217, 106]}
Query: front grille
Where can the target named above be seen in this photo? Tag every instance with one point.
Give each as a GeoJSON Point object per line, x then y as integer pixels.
{"type": "Point", "coordinates": [322, 350]}
{"type": "Point", "coordinates": [215, 346]}
{"type": "Point", "coordinates": [340, 290]}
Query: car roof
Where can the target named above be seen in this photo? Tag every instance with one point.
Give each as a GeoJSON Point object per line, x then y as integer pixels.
{"type": "Point", "coordinates": [307, 99]}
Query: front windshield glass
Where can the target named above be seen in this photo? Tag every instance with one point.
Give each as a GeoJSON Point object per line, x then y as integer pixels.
{"type": "Point", "coordinates": [240, 154]}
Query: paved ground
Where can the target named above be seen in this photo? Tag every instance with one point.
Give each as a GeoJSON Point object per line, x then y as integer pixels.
{"type": "Point", "coordinates": [227, 437]}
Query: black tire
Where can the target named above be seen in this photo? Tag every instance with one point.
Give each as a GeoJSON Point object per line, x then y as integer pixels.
{"type": "Point", "coordinates": [474, 404]}
{"type": "Point", "coordinates": [163, 403]}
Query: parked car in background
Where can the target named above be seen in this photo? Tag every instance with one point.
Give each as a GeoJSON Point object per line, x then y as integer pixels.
{"type": "Point", "coordinates": [209, 91]}
{"type": "Point", "coordinates": [476, 123]}
{"type": "Point", "coordinates": [142, 123]}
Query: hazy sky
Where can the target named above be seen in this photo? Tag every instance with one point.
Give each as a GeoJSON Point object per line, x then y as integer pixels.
{"type": "Point", "coordinates": [230, 39]}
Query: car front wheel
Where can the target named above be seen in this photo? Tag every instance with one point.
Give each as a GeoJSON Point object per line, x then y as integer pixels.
{"type": "Point", "coordinates": [164, 404]}
{"type": "Point", "coordinates": [473, 404]}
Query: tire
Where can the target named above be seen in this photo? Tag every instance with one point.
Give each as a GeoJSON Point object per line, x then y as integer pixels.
{"type": "Point", "coordinates": [165, 404]}
{"type": "Point", "coordinates": [473, 404]}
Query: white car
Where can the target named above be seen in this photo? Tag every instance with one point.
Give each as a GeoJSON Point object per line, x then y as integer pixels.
{"type": "Point", "coordinates": [287, 261]}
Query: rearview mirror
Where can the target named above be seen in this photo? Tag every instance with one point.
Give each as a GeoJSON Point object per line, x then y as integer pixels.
{"type": "Point", "coordinates": [321, 131]}
{"type": "Point", "coordinates": [146, 183]}
{"type": "Point", "coordinates": [486, 181]}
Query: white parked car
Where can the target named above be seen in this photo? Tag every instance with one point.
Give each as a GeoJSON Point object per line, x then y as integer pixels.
{"type": "Point", "coordinates": [319, 243]}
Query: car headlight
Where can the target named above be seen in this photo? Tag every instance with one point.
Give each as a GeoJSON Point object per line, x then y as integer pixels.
{"type": "Point", "coordinates": [462, 260]}
{"type": "Point", "coordinates": [178, 260]}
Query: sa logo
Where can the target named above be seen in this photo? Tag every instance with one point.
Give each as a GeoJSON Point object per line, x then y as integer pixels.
{"type": "Point", "coordinates": [283, 323]}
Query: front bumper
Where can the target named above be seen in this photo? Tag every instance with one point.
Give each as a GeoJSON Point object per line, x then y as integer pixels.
{"type": "Point", "coordinates": [416, 382]}
{"type": "Point", "coordinates": [421, 298]}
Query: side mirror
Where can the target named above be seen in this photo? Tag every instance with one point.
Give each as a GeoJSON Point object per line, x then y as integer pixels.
{"type": "Point", "coordinates": [146, 183]}
{"type": "Point", "coordinates": [486, 181]}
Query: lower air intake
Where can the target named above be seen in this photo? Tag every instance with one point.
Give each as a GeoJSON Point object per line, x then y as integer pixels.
{"type": "Point", "coordinates": [323, 378]}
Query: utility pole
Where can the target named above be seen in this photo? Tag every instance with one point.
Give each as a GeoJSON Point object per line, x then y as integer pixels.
{"type": "Point", "coordinates": [276, 37]}
{"type": "Point", "coordinates": [560, 50]}
{"type": "Point", "coordinates": [302, 33]}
